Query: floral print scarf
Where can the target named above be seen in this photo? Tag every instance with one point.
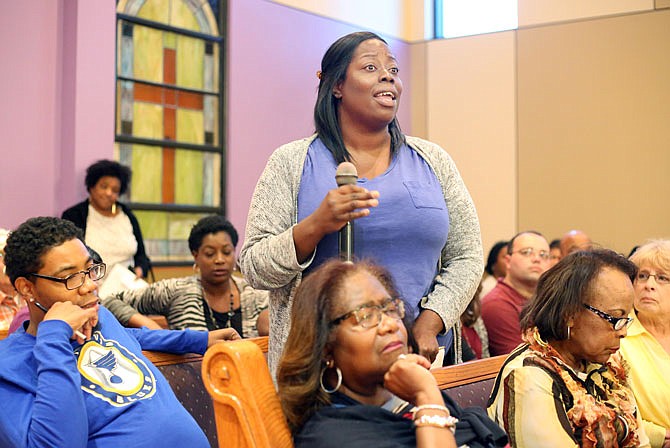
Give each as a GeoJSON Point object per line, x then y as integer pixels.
{"type": "Point", "coordinates": [603, 409]}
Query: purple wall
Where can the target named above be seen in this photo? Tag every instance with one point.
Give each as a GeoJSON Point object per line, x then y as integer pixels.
{"type": "Point", "coordinates": [57, 86]}
{"type": "Point", "coordinates": [274, 54]}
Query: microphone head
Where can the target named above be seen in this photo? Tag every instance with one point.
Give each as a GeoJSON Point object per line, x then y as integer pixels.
{"type": "Point", "coordinates": [346, 174]}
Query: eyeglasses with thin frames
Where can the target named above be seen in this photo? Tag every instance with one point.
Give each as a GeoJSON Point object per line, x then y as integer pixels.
{"type": "Point", "coordinates": [661, 279]}
{"type": "Point", "coordinates": [530, 252]}
{"type": "Point", "coordinates": [370, 316]}
{"type": "Point", "coordinates": [618, 323]}
{"type": "Point", "coordinates": [74, 281]}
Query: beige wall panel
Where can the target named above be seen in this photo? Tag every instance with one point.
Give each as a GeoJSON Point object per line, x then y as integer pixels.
{"type": "Point", "coordinates": [416, 74]}
{"type": "Point", "coordinates": [403, 19]}
{"type": "Point", "coordinates": [470, 110]}
{"type": "Point", "coordinates": [594, 128]}
{"type": "Point", "coordinates": [535, 12]}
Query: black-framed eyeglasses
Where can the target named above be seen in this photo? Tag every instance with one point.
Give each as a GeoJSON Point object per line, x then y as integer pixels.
{"type": "Point", "coordinates": [369, 316]}
{"type": "Point", "coordinates": [74, 281]}
{"type": "Point", "coordinates": [661, 279]}
{"type": "Point", "coordinates": [529, 252]}
{"type": "Point", "coordinates": [618, 323]}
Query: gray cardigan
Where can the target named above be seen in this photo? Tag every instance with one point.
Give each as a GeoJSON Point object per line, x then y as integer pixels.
{"type": "Point", "coordinates": [268, 257]}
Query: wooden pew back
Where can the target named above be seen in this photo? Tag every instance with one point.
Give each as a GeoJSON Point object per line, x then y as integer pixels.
{"type": "Point", "coordinates": [246, 405]}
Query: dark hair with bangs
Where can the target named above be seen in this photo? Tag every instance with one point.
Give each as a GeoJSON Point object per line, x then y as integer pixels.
{"type": "Point", "coordinates": [333, 71]}
{"type": "Point", "coordinates": [563, 289]}
{"type": "Point", "coordinates": [314, 306]}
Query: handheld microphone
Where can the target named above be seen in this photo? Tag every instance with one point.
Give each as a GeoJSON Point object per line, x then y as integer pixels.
{"type": "Point", "coordinates": [346, 174]}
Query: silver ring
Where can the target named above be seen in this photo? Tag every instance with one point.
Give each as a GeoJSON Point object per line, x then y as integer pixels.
{"type": "Point", "coordinates": [402, 356]}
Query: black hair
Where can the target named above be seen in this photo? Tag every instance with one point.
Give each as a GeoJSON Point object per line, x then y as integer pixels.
{"type": "Point", "coordinates": [207, 225]}
{"type": "Point", "coordinates": [103, 168]}
{"type": "Point", "coordinates": [555, 244]}
{"type": "Point", "coordinates": [333, 71]}
{"type": "Point", "coordinates": [493, 256]}
{"type": "Point", "coordinates": [31, 240]}
{"type": "Point", "coordinates": [510, 245]}
{"type": "Point", "coordinates": [563, 289]}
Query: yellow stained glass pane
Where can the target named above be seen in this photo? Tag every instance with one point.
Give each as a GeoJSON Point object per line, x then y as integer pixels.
{"type": "Point", "coordinates": [190, 126]}
{"type": "Point", "coordinates": [156, 10]}
{"type": "Point", "coordinates": [154, 225]}
{"type": "Point", "coordinates": [182, 17]}
{"type": "Point", "coordinates": [170, 40]}
{"type": "Point", "coordinates": [148, 54]}
{"type": "Point", "coordinates": [147, 174]}
{"type": "Point", "coordinates": [188, 177]}
{"type": "Point", "coordinates": [181, 224]}
{"type": "Point", "coordinates": [190, 56]}
{"type": "Point", "coordinates": [148, 120]}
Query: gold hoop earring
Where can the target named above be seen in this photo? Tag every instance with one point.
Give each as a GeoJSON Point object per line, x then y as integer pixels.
{"type": "Point", "coordinates": [329, 365]}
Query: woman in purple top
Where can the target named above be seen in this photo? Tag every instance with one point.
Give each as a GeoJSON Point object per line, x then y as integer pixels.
{"type": "Point", "coordinates": [412, 212]}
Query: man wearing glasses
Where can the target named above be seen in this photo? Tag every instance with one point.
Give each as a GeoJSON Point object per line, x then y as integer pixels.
{"type": "Point", "coordinates": [527, 258]}
{"type": "Point", "coordinates": [73, 376]}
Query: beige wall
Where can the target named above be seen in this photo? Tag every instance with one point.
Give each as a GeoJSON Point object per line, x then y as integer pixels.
{"type": "Point", "coordinates": [409, 20]}
{"type": "Point", "coordinates": [594, 128]}
{"type": "Point", "coordinates": [470, 111]}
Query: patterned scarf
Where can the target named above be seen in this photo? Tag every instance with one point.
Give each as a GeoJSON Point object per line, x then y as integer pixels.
{"type": "Point", "coordinates": [603, 410]}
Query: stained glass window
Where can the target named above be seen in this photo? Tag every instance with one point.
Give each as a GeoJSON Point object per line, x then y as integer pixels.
{"type": "Point", "coordinates": [169, 127]}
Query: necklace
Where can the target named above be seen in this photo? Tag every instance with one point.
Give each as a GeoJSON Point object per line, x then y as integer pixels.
{"type": "Point", "coordinates": [231, 312]}
{"type": "Point", "coordinates": [210, 320]}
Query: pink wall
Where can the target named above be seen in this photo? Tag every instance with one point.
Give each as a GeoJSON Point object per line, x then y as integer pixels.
{"type": "Point", "coordinates": [58, 95]}
{"type": "Point", "coordinates": [28, 50]}
{"type": "Point", "coordinates": [274, 54]}
{"type": "Point", "coordinates": [57, 86]}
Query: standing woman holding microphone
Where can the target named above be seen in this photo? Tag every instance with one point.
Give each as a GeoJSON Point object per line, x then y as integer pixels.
{"type": "Point", "coordinates": [412, 212]}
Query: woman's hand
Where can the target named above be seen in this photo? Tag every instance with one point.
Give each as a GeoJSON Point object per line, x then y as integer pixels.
{"type": "Point", "coordinates": [341, 205]}
{"type": "Point", "coordinates": [224, 334]}
{"type": "Point", "coordinates": [426, 328]}
{"type": "Point", "coordinates": [410, 379]}
{"type": "Point", "coordinates": [81, 320]}
{"type": "Point", "coordinates": [344, 204]}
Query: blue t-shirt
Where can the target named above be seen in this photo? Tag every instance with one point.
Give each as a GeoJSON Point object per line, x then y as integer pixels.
{"type": "Point", "coordinates": [104, 393]}
{"type": "Point", "coordinates": [405, 233]}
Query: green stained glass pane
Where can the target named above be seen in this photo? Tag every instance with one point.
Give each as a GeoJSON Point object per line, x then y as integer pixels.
{"type": "Point", "coordinates": [182, 16]}
{"type": "Point", "coordinates": [190, 57]}
{"type": "Point", "coordinates": [190, 126]}
{"type": "Point", "coordinates": [148, 121]}
{"type": "Point", "coordinates": [155, 10]}
{"type": "Point", "coordinates": [148, 54]}
{"type": "Point", "coordinates": [154, 227]}
{"type": "Point", "coordinates": [188, 177]}
{"type": "Point", "coordinates": [147, 174]}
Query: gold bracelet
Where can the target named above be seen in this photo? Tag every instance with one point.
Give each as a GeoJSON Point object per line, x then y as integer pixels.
{"type": "Point", "coordinates": [423, 407]}
{"type": "Point", "coordinates": [437, 421]}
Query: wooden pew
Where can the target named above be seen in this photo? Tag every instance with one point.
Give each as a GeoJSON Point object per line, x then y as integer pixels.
{"type": "Point", "coordinates": [184, 373]}
{"type": "Point", "coordinates": [247, 409]}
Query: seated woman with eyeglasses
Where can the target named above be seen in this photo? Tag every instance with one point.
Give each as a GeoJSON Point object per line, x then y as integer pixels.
{"type": "Point", "coordinates": [347, 377]}
{"type": "Point", "coordinates": [567, 386]}
{"type": "Point", "coordinates": [647, 346]}
{"type": "Point", "coordinates": [73, 376]}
